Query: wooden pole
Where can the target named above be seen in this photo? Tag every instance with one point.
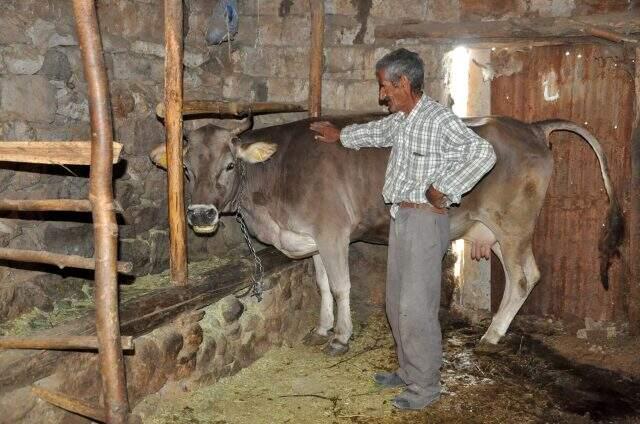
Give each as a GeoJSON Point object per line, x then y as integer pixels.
{"type": "Point", "coordinates": [68, 403]}
{"type": "Point", "coordinates": [173, 124]}
{"type": "Point", "coordinates": [61, 261]}
{"type": "Point", "coordinates": [316, 57]}
{"type": "Point", "coordinates": [58, 343]}
{"type": "Point", "coordinates": [215, 107]}
{"type": "Point", "coordinates": [634, 210]}
{"type": "Point", "coordinates": [105, 228]}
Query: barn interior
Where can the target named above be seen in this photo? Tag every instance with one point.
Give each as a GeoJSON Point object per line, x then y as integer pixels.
{"type": "Point", "coordinates": [113, 310]}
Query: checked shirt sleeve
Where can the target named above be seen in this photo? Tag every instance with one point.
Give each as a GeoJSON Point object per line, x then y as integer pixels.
{"type": "Point", "coordinates": [372, 134]}
{"type": "Point", "coordinates": [468, 158]}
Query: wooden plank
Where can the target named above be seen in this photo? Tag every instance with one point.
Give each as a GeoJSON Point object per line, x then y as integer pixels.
{"type": "Point", "coordinates": [605, 26]}
{"type": "Point", "coordinates": [173, 96]}
{"type": "Point", "coordinates": [634, 209]}
{"type": "Point", "coordinates": [51, 152]}
{"type": "Point", "coordinates": [222, 107]}
{"type": "Point", "coordinates": [59, 343]}
{"type": "Point", "coordinates": [316, 56]}
{"type": "Point", "coordinates": [51, 205]}
{"type": "Point", "coordinates": [139, 316]}
{"type": "Point", "coordinates": [61, 261]}
{"type": "Point", "coordinates": [68, 403]}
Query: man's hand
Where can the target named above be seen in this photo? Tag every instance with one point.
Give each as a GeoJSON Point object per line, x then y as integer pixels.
{"type": "Point", "coordinates": [327, 132]}
{"type": "Point", "coordinates": [436, 198]}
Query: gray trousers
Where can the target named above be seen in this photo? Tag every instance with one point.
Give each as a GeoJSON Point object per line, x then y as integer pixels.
{"type": "Point", "coordinates": [418, 240]}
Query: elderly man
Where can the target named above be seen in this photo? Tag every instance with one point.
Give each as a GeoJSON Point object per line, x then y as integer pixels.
{"type": "Point", "coordinates": [434, 159]}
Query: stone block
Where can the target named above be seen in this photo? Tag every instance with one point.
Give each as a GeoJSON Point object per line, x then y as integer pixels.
{"type": "Point", "coordinates": [341, 30]}
{"type": "Point", "coordinates": [238, 87]}
{"type": "Point", "coordinates": [260, 61]}
{"type": "Point", "coordinates": [446, 10]}
{"type": "Point", "coordinates": [340, 59]}
{"type": "Point", "coordinates": [56, 66]}
{"type": "Point", "coordinates": [553, 8]}
{"type": "Point", "coordinates": [294, 63]}
{"type": "Point", "coordinates": [72, 104]}
{"type": "Point", "coordinates": [69, 239]}
{"type": "Point", "coordinates": [288, 90]}
{"type": "Point", "coordinates": [128, 66]}
{"type": "Point", "coordinates": [138, 252]}
{"type": "Point", "coordinates": [391, 10]}
{"type": "Point", "coordinates": [13, 28]}
{"type": "Point", "coordinates": [474, 10]}
{"type": "Point", "coordinates": [29, 98]}
{"type": "Point", "coordinates": [22, 60]}
{"type": "Point", "coordinates": [362, 96]}
{"type": "Point", "coordinates": [340, 7]}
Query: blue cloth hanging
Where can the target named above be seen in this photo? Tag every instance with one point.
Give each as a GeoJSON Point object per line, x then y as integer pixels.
{"type": "Point", "coordinates": [223, 24]}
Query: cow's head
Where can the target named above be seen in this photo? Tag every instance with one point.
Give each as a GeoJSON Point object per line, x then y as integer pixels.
{"type": "Point", "coordinates": [211, 159]}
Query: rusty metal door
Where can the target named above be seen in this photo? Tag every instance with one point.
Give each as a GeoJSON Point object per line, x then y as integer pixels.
{"type": "Point", "coordinates": [593, 86]}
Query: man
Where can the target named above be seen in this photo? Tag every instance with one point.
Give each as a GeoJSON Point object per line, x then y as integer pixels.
{"type": "Point", "coordinates": [434, 159]}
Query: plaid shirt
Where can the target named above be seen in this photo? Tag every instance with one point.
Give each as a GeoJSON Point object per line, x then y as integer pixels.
{"type": "Point", "coordinates": [430, 146]}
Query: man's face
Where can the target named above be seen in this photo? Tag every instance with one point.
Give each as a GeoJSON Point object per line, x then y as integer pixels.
{"type": "Point", "coordinates": [397, 97]}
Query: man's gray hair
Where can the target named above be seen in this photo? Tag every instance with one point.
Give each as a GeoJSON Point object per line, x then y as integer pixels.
{"type": "Point", "coordinates": [403, 62]}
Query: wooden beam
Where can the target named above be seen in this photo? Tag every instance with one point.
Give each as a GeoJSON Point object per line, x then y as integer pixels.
{"type": "Point", "coordinates": [173, 105]}
{"type": "Point", "coordinates": [61, 261]}
{"type": "Point", "coordinates": [516, 28]}
{"type": "Point", "coordinates": [50, 205]}
{"type": "Point", "coordinates": [59, 343]}
{"type": "Point", "coordinates": [51, 152]}
{"type": "Point", "coordinates": [139, 316]}
{"type": "Point", "coordinates": [216, 107]}
{"type": "Point", "coordinates": [634, 210]}
{"type": "Point", "coordinates": [68, 403]}
{"type": "Point", "coordinates": [316, 56]}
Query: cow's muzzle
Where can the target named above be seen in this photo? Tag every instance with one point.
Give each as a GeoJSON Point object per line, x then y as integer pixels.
{"type": "Point", "coordinates": [203, 219]}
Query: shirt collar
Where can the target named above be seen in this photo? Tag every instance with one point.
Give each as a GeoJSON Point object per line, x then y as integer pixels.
{"type": "Point", "coordinates": [423, 99]}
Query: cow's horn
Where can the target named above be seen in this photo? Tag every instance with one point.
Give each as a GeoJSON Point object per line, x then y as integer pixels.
{"type": "Point", "coordinates": [243, 125]}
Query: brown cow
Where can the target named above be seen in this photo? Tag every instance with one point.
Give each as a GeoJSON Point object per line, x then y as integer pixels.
{"type": "Point", "coordinates": [314, 199]}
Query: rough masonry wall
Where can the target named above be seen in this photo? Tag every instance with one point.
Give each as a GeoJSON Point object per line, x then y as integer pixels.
{"type": "Point", "coordinates": [43, 97]}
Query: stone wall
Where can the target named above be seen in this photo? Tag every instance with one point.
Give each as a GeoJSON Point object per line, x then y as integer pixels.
{"type": "Point", "coordinates": [43, 97]}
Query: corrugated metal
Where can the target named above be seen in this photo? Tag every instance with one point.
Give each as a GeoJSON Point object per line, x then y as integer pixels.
{"type": "Point", "coordinates": [597, 91]}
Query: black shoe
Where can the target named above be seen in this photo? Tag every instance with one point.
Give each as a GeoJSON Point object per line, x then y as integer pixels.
{"type": "Point", "coordinates": [388, 379]}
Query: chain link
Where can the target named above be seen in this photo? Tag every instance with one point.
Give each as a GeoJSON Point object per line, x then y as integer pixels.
{"type": "Point", "coordinates": [256, 288]}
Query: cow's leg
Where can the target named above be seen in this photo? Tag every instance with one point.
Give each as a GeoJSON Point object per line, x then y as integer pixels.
{"type": "Point", "coordinates": [335, 257]}
{"type": "Point", "coordinates": [320, 334]}
{"type": "Point", "coordinates": [521, 275]}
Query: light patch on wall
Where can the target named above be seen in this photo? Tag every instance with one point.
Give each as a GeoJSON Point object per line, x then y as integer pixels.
{"type": "Point", "coordinates": [459, 60]}
{"type": "Point", "coordinates": [550, 86]}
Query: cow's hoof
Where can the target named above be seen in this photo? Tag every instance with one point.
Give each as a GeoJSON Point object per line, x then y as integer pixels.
{"type": "Point", "coordinates": [314, 339]}
{"type": "Point", "coordinates": [486, 348]}
{"type": "Point", "coordinates": [335, 348]}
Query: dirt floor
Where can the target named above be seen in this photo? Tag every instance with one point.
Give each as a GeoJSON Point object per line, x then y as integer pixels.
{"type": "Point", "coordinates": [523, 383]}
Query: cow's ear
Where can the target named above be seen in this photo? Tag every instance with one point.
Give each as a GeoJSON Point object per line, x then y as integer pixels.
{"type": "Point", "coordinates": [159, 156]}
{"type": "Point", "coordinates": [256, 152]}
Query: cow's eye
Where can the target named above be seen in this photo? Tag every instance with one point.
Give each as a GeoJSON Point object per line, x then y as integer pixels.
{"type": "Point", "coordinates": [230, 166]}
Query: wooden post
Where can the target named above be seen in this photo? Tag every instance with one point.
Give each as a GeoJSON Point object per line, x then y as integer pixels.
{"type": "Point", "coordinates": [634, 210]}
{"type": "Point", "coordinates": [173, 125]}
{"type": "Point", "coordinates": [316, 57]}
{"type": "Point", "coordinates": [105, 229]}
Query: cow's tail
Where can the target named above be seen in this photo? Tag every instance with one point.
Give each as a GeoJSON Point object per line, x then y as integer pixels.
{"type": "Point", "coordinates": [613, 230]}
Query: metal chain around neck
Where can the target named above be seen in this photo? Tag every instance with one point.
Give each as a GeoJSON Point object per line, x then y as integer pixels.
{"type": "Point", "coordinates": [256, 288]}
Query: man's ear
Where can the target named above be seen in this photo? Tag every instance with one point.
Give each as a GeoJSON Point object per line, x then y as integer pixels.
{"type": "Point", "coordinates": [405, 83]}
{"type": "Point", "coordinates": [256, 152]}
{"type": "Point", "coordinates": [159, 156]}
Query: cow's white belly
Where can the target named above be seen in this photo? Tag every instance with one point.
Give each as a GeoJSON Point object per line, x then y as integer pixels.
{"type": "Point", "coordinates": [293, 243]}
{"type": "Point", "coordinates": [296, 244]}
